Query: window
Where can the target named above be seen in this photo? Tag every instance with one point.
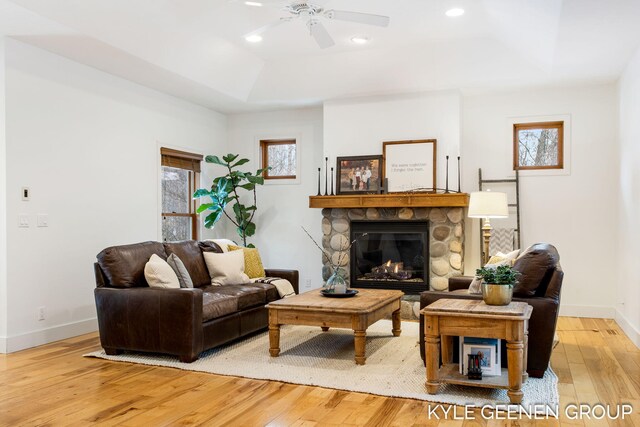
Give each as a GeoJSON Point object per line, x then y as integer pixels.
{"type": "Point", "coordinates": [280, 155]}
{"type": "Point", "coordinates": [180, 176]}
{"type": "Point", "coordinates": [538, 145]}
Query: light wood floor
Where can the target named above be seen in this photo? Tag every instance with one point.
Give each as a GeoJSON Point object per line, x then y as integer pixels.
{"type": "Point", "coordinates": [55, 385]}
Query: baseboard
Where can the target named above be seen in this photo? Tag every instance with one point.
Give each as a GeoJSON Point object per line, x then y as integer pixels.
{"type": "Point", "coordinates": [597, 311]}
{"type": "Point", "coordinates": [44, 336]}
{"type": "Point", "coordinates": [628, 328]}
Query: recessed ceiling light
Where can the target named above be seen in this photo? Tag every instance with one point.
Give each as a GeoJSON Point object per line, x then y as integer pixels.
{"type": "Point", "coordinates": [253, 38]}
{"type": "Point", "coordinates": [360, 39]}
{"type": "Point", "coordinates": [253, 3]}
{"type": "Point", "coordinates": [456, 11]}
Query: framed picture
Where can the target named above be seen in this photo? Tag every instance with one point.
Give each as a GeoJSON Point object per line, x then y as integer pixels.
{"type": "Point", "coordinates": [410, 165]}
{"type": "Point", "coordinates": [359, 175]}
{"type": "Point", "coordinates": [489, 358]}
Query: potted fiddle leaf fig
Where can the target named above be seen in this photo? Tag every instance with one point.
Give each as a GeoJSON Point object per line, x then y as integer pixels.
{"type": "Point", "coordinates": [226, 190]}
{"type": "Point", "coordinates": [497, 284]}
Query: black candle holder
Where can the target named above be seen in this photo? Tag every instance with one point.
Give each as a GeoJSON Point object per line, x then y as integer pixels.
{"type": "Point", "coordinates": [332, 182]}
{"type": "Point", "coordinates": [326, 173]}
{"type": "Point", "coordinates": [459, 174]}
{"type": "Point", "coordinates": [319, 193]}
{"type": "Point", "coordinates": [447, 179]}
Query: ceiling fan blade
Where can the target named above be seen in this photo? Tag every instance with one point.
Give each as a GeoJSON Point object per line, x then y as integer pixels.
{"type": "Point", "coordinates": [320, 34]}
{"type": "Point", "coordinates": [362, 18]}
{"type": "Point", "coordinates": [264, 28]}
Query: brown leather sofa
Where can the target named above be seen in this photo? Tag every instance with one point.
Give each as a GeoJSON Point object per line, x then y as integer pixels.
{"type": "Point", "coordinates": [182, 322]}
{"type": "Point", "coordinates": [539, 286]}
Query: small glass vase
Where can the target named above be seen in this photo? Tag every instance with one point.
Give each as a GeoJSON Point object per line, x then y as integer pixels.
{"type": "Point", "coordinates": [336, 284]}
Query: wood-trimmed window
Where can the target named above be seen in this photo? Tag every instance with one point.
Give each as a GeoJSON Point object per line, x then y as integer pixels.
{"type": "Point", "coordinates": [281, 156]}
{"type": "Point", "coordinates": [180, 179]}
{"type": "Point", "coordinates": [538, 145]}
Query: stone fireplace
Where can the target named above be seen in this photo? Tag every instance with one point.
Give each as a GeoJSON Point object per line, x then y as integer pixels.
{"type": "Point", "coordinates": [446, 237]}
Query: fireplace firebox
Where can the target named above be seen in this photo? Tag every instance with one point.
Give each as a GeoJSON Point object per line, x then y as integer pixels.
{"type": "Point", "coordinates": [390, 255]}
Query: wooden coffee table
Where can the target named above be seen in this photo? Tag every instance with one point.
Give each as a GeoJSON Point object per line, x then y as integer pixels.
{"type": "Point", "coordinates": [473, 318]}
{"type": "Point", "coordinates": [357, 313]}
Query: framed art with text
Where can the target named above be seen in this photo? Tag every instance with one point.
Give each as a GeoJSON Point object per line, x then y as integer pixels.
{"type": "Point", "coordinates": [410, 165]}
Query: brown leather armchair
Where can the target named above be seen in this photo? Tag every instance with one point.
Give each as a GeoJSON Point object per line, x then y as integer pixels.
{"type": "Point", "coordinates": [539, 286]}
{"type": "Point", "coordinates": [182, 322]}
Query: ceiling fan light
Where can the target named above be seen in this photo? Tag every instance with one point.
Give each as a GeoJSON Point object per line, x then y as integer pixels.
{"type": "Point", "coordinates": [454, 12]}
{"type": "Point", "coordinates": [253, 3]}
{"type": "Point", "coordinates": [254, 38]}
{"type": "Point", "coordinates": [360, 40]}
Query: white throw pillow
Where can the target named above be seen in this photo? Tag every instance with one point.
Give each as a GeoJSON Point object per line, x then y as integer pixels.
{"type": "Point", "coordinates": [226, 268]}
{"type": "Point", "coordinates": [159, 274]}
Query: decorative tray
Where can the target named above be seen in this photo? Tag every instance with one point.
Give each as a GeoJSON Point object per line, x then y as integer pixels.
{"type": "Point", "coordinates": [328, 294]}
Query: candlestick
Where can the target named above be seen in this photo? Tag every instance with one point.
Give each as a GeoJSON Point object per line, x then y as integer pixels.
{"type": "Point", "coordinates": [447, 186]}
{"type": "Point", "coordinates": [332, 182]}
{"type": "Point", "coordinates": [319, 194]}
{"type": "Point", "coordinates": [326, 173]}
{"type": "Point", "coordinates": [459, 174]}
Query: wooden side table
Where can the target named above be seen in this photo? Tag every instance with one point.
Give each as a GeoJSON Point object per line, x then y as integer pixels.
{"type": "Point", "coordinates": [447, 318]}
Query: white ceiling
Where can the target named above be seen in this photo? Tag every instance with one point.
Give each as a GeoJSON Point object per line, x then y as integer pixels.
{"type": "Point", "coordinates": [195, 49]}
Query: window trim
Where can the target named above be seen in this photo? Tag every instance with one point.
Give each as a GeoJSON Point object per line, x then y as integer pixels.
{"type": "Point", "coordinates": [556, 124]}
{"type": "Point", "coordinates": [264, 157]}
{"type": "Point", "coordinates": [187, 161]}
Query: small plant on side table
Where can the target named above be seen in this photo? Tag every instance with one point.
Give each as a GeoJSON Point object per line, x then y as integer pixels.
{"type": "Point", "coordinates": [497, 284]}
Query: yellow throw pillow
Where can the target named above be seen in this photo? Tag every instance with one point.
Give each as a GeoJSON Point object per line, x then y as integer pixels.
{"type": "Point", "coordinates": [252, 261]}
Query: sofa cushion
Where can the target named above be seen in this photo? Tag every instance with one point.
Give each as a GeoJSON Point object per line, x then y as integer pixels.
{"type": "Point", "coordinates": [123, 266]}
{"type": "Point", "coordinates": [159, 274]}
{"type": "Point", "coordinates": [181, 271]}
{"type": "Point", "coordinates": [209, 246]}
{"type": "Point", "coordinates": [216, 305]}
{"type": "Point", "coordinates": [248, 295]}
{"type": "Point", "coordinates": [534, 266]}
{"type": "Point", "coordinates": [190, 254]}
{"type": "Point", "coordinates": [271, 292]}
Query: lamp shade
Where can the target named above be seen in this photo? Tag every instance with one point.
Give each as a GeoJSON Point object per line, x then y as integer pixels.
{"type": "Point", "coordinates": [488, 204]}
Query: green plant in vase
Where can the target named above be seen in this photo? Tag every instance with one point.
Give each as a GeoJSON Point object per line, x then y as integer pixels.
{"type": "Point", "coordinates": [497, 284]}
{"type": "Point", "coordinates": [226, 190]}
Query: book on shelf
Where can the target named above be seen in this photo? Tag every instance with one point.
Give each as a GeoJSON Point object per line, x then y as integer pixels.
{"type": "Point", "coordinates": [489, 349]}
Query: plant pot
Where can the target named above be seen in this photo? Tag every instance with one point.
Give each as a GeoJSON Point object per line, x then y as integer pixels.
{"type": "Point", "coordinates": [497, 294]}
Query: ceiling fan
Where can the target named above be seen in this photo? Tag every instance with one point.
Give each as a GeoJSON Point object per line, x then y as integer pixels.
{"type": "Point", "coordinates": [314, 14]}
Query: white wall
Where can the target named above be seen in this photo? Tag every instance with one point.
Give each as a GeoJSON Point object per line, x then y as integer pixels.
{"type": "Point", "coordinates": [359, 126]}
{"type": "Point", "coordinates": [87, 145]}
{"type": "Point", "coordinates": [628, 251]}
{"type": "Point", "coordinates": [3, 204]}
{"type": "Point", "coordinates": [283, 207]}
{"type": "Point", "coordinates": [576, 212]}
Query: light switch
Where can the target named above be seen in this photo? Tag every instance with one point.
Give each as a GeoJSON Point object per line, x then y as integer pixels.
{"type": "Point", "coordinates": [43, 220]}
{"type": "Point", "coordinates": [23, 221]}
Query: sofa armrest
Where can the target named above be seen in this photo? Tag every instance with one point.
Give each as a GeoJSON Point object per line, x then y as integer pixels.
{"type": "Point", "coordinates": [459, 282]}
{"type": "Point", "coordinates": [291, 275]}
{"type": "Point", "coordinates": [151, 319]}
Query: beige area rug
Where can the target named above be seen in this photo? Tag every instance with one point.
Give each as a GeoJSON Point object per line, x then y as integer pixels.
{"type": "Point", "coordinates": [311, 357]}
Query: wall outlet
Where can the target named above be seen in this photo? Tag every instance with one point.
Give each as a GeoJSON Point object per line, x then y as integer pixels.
{"type": "Point", "coordinates": [41, 315]}
{"type": "Point", "coordinates": [23, 221]}
{"type": "Point", "coordinates": [307, 284]}
{"type": "Point", "coordinates": [42, 220]}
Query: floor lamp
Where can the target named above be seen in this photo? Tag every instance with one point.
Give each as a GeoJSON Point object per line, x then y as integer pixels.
{"type": "Point", "coordinates": [486, 205]}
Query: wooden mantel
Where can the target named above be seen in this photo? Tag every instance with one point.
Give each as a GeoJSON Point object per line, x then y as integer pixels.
{"type": "Point", "coordinates": [393, 200]}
